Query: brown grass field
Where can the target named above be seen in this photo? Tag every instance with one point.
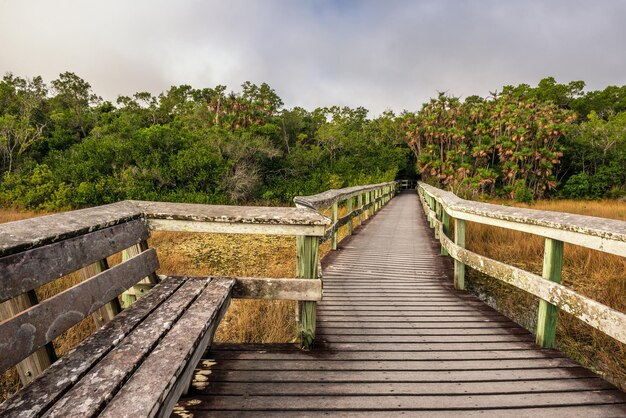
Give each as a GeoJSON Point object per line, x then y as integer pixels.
{"type": "Point", "coordinates": [597, 275]}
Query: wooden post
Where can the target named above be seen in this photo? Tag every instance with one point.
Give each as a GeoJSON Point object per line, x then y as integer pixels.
{"type": "Point", "coordinates": [359, 203]}
{"type": "Point", "coordinates": [33, 365]}
{"type": "Point", "coordinates": [546, 317]}
{"type": "Point", "coordinates": [131, 294]}
{"type": "Point", "coordinates": [459, 268]}
{"type": "Point", "coordinates": [438, 216]}
{"type": "Point", "coordinates": [429, 202]}
{"type": "Point", "coordinates": [335, 217]}
{"type": "Point", "coordinates": [445, 220]}
{"type": "Point", "coordinates": [349, 210]}
{"type": "Point", "coordinates": [307, 259]}
{"type": "Point", "coordinates": [108, 311]}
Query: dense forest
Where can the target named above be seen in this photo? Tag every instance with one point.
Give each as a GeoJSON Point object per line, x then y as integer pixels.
{"type": "Point", "coordinates": [62, 146]}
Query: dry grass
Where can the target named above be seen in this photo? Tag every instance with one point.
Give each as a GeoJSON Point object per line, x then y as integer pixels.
{"type": "Point", "coordinates": [202, 254]}
{"type": "Point", "coordinates": [597, 275]}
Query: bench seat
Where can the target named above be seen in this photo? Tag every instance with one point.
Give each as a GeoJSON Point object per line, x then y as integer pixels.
{"type": "Point", "coordinates": [139, 363]}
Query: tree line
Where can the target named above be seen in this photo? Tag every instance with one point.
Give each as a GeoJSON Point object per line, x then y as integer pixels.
{"type": "Point", "coordinates": [524, 142]}
{"type": "Point", "coordinates": [62, 146]}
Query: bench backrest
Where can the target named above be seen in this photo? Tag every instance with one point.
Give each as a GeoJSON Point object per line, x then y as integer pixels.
{"type": "Point", "coordinates": [26, 266]}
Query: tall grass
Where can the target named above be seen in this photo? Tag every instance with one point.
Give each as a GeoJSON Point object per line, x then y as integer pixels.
{"type": "Point", "coordinates": [597, 275]}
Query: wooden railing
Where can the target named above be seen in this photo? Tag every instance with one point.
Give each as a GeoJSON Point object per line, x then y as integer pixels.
{"type": "Point", "coordinates": [28, 259]}
{"type": "Point", "coordinates": [359, 201]}
{"type": "Point", "coordinates": [444, 209]}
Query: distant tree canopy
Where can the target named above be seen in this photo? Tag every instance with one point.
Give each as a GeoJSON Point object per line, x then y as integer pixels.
{"type": "Point", "coordinates": [525, 142]}
{"type": "Point", "coordinates": [63, 146]}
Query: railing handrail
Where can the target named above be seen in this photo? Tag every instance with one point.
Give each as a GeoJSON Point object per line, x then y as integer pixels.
{"type": "Point", "coordinates": [30, 233]}
{"type": "Point", "coordinates": [440, 206]}
{"type": "Point", "coordinates": [328, 198]}
{"type": "Point", "coordinates": [602, 234]}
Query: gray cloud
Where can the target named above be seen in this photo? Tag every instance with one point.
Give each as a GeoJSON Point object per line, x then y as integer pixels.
{"type": "Point", "coordinates": [392, 54]}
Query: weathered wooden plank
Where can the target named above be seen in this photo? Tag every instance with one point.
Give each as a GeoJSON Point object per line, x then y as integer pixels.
{"type": "Point", "coordinates": [182, 346]}
{"type": "Point", "coordinates": [423, 402]}
{"type": "Point", "coordinates": [204, 386]}
{"type": "Point", "coordinates": [142, 286]}
{"type": "Point", "coordinates": [599, 316]}
{"type": "Point", "coordinates": [578, 411]}
{"type": "Point", "coordinates": [33, 268]}
{"type": "Point", "coordinates": [216, 227]}
{"type": "Point", "coordinates": [278, 352]}
{"type": "Point", "coordinates": [607, 235]}
{"type": "Point", "coordinates": [32, 366]}
{"type": "Point", "coordinates": [277, 289]}
{"type": "Point", "coordinates": [398, 376]}
{"type": "Point", "coordinates": [39, 325]}
{"type": "Point", "coordinates": [90, 395]}
{"type": "Point", "coordinates": [419, 339]}
{"type": "Point", "coordinates": [36, 232]}
{"type": "Point", "coordinates": [546, 316]}
{"type": "Point", "coordinates": [388, 365]}
{"type": "Point", "coordinates": [327, 198]}
{"type": "Point", "coordinates": [106, 313]}
{"type": "Point", "coordinates": [47, 388]}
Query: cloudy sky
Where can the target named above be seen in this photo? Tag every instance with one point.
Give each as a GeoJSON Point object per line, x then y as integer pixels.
{"type": "Point", "coordinates": [391, 54]}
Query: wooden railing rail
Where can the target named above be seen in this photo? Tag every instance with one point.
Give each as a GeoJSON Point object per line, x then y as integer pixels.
{"type": "Point", "coordinates": [606, 235]}
{"type": "Point", "coordinates": [358, 200]}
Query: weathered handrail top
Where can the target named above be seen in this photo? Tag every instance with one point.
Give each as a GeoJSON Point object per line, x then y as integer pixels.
{"type": "Point", "coordinates": [26, 234]}
{"type": "Point", "coordinates": [610, 229]}
{"type": "Point", "coordinates": [328, 198]}
{"type": "Point", "coordinates": [230, 214]}
{"type": "Point", "coordinates": [22, 235]}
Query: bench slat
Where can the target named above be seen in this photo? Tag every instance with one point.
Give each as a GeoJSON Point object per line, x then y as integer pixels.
{"type": "Point", "coordinates": [174, 359]}
{"type": "Point", "coordinates": [30, 269]}
{"type": "Point", "coordinates": [33, 328]}
{"type": "Point", "coordinates": [35, 399]}
{"type": "Point", "coordinates": [89, 395]}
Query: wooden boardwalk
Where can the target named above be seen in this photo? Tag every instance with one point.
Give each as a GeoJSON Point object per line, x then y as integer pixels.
{"type": "Point", "coordinates": [395, 337]}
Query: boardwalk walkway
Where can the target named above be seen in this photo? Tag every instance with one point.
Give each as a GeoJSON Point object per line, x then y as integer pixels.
{"type": "Point", "coordinates": [395, 337]}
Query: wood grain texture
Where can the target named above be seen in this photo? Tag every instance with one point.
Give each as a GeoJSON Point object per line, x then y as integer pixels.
{"type": "Point", "coordinates": [35, 232]}
{"type": "Point", "coordinates": [33, 268]}
{"type": "Point", "coordinates": [39, 325]}
{"type": "Point", "coordinates": [56, 380]}
{"type": "Point", "coordinates": [395, 338]}
{"type": "Point", "coordinates": [96, 388]}
{"type": "Point", "coordinates": [143, 395]}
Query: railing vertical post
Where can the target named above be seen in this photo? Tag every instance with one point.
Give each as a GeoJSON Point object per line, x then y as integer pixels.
{"type": "Point", "coordinates": [336, 230]}
{"type": "Point", "coordinates": [438, 216]}
{"type": "Point", "coordinates": [349, 211]}
{"type": "Point", "coordinates": [108, 311]}
{"type": "Point", "coordinates": [307, 259]}
{"type": "Point", "coordinates": [130, 296]}
{"type": "Point", "coordinates": [359, 203]}
{"type": "Point", "coordinates": [33, 365]}
{"type": "Point", "coordinates": [459, 268]}
{"type": "Point", "coordinates": [370, 211]}
{"type": "Point", "coordinates": [431, 206]}
{"type": "Point", "coordinates": [445, 223]}
{"type": "Point", "coordinates": [546, 318]}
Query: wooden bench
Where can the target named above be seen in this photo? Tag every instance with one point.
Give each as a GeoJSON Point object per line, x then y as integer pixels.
{"type": "Point", "coordinates": [138, 363]}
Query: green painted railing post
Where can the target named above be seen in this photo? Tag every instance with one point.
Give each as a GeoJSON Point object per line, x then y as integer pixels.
{"type": "Point", "coordinates": [307, 258]}
{"type": "Point", "coordinates": [546, 318]}
{"type": "Point", "coordinates": [336, 231]}
{"type": "Point", "coordinates": [359, 202]}
{"type": "Point", "coordinates": [445, 220]}
{"type": "Point", "coordinates": [459, 268]}
{"type": "Point", "coordinates": [349, 210]}
{"type": "Point", "coordinates": [438, 216]}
